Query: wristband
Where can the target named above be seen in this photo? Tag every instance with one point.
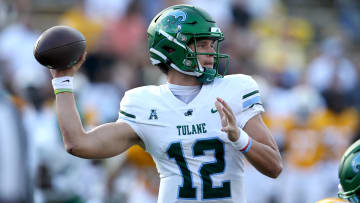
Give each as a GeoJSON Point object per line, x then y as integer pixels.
{"type": "Point", "coordinates": [62, 84]}
{"type": "Point", "coordinates": [244, 142]}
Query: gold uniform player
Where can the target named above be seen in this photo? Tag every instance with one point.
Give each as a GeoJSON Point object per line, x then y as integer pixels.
{"type": "Point", "coordinates": [199, 127]}
{"type": "Point", "coordinates": [331, 200]}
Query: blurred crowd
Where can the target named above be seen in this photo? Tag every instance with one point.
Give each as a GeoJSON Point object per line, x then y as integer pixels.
{"type": "Point", "coordinates": [303, 54]}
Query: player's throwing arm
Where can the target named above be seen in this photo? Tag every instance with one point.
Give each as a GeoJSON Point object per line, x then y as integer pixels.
{"type": "Point", "coordinates": [62, 50]}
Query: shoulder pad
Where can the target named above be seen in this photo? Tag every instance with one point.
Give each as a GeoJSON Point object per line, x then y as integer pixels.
{"type": "Point", "coordinates": [242, 89]}
{"type": "Point", "coordinates": [137, 101]}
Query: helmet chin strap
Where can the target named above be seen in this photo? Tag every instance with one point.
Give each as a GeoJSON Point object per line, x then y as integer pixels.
{"type": "Point", "coordinates": [193, 73]}
{"type": "Point", "coordinates": [207, 76]}
{"type": "Point", "coordinates": [200, 66]}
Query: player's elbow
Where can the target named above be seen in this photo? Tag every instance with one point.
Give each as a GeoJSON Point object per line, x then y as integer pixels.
{"type": "Point", "coordinates": [71, 148]}
{"type": "Point", "coordinates": [276, 170]}
{"type": "Point", "coordinates": [70, 143]}
{"type": "Point", "coordinates": [76, 150]}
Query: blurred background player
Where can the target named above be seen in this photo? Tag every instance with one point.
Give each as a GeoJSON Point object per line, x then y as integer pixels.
{"type": "Point", "coordinates": [349, 176]}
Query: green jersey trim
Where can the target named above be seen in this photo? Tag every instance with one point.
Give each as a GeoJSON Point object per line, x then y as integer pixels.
{"type": "Point", "coordinates": [127, 114]}
{"type": "Point", "coordinates": [250, 94]}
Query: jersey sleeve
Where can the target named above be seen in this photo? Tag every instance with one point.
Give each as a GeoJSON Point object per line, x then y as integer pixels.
{"type": "Point", "coordinates": [247, 101]}
{"type": "Point", "coordinates": [248, 114]}
{"type": "Point", "coordinates": [131, 113]}
{"type": "Point", "coordinates": [137, 110]}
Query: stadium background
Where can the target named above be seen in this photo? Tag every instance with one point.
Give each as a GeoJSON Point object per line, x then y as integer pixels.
{"type": "Point", "coordinates": [304, 55]}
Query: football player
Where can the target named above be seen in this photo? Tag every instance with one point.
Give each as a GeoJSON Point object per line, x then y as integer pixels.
{"type": "Point", "coordinates": [198, 128]}
{"type": "Point", "coordinates": [349, 175]}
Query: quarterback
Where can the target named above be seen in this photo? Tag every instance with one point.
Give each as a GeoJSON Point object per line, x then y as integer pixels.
{"type": "Point", "coordinates": [198, 127]}
{"type": "Point", "coordinates": [349, 175]}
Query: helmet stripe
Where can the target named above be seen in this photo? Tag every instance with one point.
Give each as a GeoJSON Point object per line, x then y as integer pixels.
{"type": "Point", "coordinates": [171, 38]}
{"type": "Point", "coordinates": [158, 53]}
{"type": "Point", "coordinates": [154, 61]}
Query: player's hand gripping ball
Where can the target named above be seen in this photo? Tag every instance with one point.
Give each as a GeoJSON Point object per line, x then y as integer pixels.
{"type": "Point", "coordinates": [59, 47]}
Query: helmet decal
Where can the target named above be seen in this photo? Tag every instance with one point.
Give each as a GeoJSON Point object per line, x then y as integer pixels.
{"type": "Point", "coordinates": [356, 163]}
{"type": "Point", "coordinates": [178, 14]}
{"type": "Point", "coordinates": [174, 20]}
{"type": "Point", "coordinates": [215, 29]}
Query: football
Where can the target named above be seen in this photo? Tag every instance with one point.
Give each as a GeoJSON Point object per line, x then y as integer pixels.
{"type": "Point", "coordinates": [59, 47]}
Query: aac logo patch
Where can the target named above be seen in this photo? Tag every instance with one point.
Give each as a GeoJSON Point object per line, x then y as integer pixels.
{"type": "Point", "coordinates": [153, 114]}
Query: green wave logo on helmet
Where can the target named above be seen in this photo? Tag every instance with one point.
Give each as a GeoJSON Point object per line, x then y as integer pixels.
{"type": "Point", "coordinates": [179, 15]}
{"type": "Point", "coordinates": [170, 34]}
{"type": "Point", "coordinates": [174, 20]}
{"type": "Point", "coordinates": [356, 163]}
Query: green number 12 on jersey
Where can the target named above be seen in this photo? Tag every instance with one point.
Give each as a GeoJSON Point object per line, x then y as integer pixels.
{"type": "Point", "coordinates": [208, 191]}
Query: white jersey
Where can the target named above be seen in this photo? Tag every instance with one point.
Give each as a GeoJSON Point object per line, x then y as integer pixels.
{"type": "Point", "coordinates": [195, 160]}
